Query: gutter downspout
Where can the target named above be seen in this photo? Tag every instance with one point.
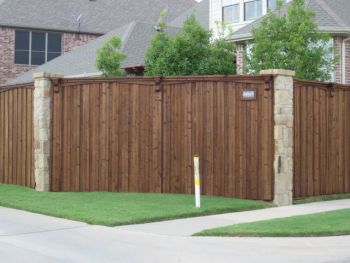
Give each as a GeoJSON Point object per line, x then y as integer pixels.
{"type": "Point", "coordinates": [343, 58]}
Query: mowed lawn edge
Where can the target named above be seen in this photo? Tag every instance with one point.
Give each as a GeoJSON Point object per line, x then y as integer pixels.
{"type": "Point", "coordinates": [322, 198]}
{"type": "Point", "coordinates": [115, 209]}
{"type": "Point", "coordinates": [334, 223]}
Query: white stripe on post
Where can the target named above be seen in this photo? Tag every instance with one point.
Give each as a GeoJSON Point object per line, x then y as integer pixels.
{"type": "Point", "coordinates": [197, 182]}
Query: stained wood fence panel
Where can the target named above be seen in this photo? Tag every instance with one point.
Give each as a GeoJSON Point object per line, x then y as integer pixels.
{"type": "Point", "coordinates": [140, 135]}
{"type": "Point", "coordinates": [103, 138]}
{"type": "Point", "coordinates": [16, 135]}
{"type": "Point", "coordinates": [232, 137]}
{"type": "Point", "coordinates": [321, 139]}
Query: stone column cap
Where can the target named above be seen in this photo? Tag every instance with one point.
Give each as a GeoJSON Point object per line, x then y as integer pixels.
{"type": "Point", "coordinates": [283, 72]}
{"type": "Point", "coordinates": [46, 75]}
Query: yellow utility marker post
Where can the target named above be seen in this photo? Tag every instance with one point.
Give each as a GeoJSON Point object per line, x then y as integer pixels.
{"type": "Point", "coordinates": [197, 182]}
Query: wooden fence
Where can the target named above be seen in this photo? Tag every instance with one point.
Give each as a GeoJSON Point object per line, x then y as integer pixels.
{"type": "Point", "coordinates": [321, 138]}
{"type": "Point", "coordinates": [140, 135]}
{"type": "Point", "coordinates": [16, 135]}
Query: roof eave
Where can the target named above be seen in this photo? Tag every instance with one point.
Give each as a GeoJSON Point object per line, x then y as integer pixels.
{"type": "Point", "coordinates": [54, 30]}
{"type": "Point", "coordinates": [329, 30]}
{"type": "Point", "coordinates": [241, 37]}
{"type": "Point", "coordinates": [336, 30]}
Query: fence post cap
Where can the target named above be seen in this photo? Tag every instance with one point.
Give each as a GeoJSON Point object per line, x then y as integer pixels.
{"type": "Point", "coordinates": [41, 75]}
{"type": "Point", "coordinates": [283, 72]}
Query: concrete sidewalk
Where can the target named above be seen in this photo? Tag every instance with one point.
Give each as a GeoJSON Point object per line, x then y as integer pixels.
{"type": "Point", "coordinates": [189, 226]}
{"type": "Point", "coordinates": [28, 237]}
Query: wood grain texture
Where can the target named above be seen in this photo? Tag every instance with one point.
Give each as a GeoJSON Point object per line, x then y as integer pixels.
{"type": "Point", "coordinates": [16, 135]}
{"type": "Point", "coordinates": [321, 139]}
{"type": "Point", "coordinates": [133, 135]}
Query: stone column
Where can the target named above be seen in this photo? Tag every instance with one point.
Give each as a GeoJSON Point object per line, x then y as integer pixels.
{"type": "Point", "coordinates": [42, 129]}
{"type": "Point", "coordinates": [283, 135]}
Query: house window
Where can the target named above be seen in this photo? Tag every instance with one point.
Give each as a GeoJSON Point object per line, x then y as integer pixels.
{"type": "Point", "coordinates": [36, 48]}
{"type": "Point", "coordinates": [272, 4]}
{"type": "Point", "coordinates": [252, 10]}
{"type": "Point", "coordinates": [231, 14]}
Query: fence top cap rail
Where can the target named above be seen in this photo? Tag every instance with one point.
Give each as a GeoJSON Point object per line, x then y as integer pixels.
{"type": "Point", "coordinates": [313, 82]}
{"type": "Point", "coordinates": [324, 85]}
{"type": "Point", "coordinates": [40, 75]}
{"type": "Point", "coordinates": [169, 78]}
{"type": "Point", "coordinates": [283, 72]}
{"type": "Point", "coordinates": [29, 85]}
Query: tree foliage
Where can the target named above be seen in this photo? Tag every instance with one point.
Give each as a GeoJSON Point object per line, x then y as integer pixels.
{"type": "Point", "coordinates": [191, 52]}
{"type": "Point", "coordinates": [291, 41]}
{"type": "Point", "coordinates": [110, 57]}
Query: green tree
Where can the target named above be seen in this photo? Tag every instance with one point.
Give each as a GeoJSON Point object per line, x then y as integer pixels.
{"type": "Point", "coordinates": [110, 57]}
{"type": "Point", "coordinates": [291, 41]}
{"type": "Point", "coordinates": [191, 52]}
{"type": "Point", "coordinates": [154, 63]}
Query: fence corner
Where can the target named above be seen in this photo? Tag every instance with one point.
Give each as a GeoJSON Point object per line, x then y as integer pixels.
{"type": "Point", "coordinates": [283, 135]}
{"type": "Point", "coordinates": [42, 128]}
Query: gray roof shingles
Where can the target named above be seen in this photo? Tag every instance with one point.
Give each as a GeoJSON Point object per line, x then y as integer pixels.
{"type": "Point", "coordinates": [201, 11]}
{"type": "Point", "coordinates": [331, 16]}
{"type": "Point", "coordinates": [98, 16]}
{"type": "Point", "coordinates": [136, 38]}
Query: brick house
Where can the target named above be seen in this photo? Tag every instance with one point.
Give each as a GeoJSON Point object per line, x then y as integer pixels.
{"type": "Point", "coordinates": [332, 16]}
{"type": "Point", "coordinates": [136, 38]}
{"type": "Point", "coordinates": [33, 32]}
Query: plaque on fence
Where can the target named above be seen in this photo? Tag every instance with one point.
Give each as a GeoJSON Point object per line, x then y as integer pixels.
{"type": "Point", "coordinates": [249, 95]}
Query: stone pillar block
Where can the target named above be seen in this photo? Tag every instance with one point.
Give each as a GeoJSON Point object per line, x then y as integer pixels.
{"type": "Point", "coordinates": [283, 135]}
{"type": "Point", "coordinates": [42, 128]}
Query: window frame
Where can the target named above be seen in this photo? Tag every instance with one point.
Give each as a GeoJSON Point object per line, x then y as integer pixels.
{"type": "Point", "coordinates": [245, 8]}
{"type": "Point", "coordinates": [22, 50]}
{"type": "Point", "coordinates": [239, 12]}
{"type": "Point", "coordinates": [30, 46]}
{"type": "Point", "coordinates": [268, 7]}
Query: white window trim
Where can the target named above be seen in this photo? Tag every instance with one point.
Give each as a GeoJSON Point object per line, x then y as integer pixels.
{"type": "Point", "coordinates": [30, 46]}
{"type": "Point", "coordinates": [241, 3]}
{"type": "Point", "coordinates": [256, 17]}
{"type": "Point", "coordinates": [239, 7]}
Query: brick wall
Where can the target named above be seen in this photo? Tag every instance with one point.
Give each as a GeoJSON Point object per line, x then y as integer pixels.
{"type": "Point", "coordinates": [347, 62]}
{"type": "Point", "coordinates": [9, 70]}
{"type": "Point", "coordinates": [72, 40]}
{"type": "Point", "coordinates": [337, 41]}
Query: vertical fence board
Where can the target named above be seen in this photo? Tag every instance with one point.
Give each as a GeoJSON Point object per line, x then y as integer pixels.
{"type": "Point", "coordinates": [103, 137]}
{"type": "Point", "coordinates": [125, 136]}
{"type": "Point", "coordinates": [16, 135]}
{"type": "Point", "coordinates": [166, 139]}
{"type": "Point", "coordinates": [321, 141]}
{"type": "Point", "coordinates": [2, 136]}
{"type": "Point", "coordinates": [56, 142]}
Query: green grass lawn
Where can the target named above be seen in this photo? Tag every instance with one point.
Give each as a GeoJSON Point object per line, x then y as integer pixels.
{"type": "Point", "coordinates": [321, 198]}
{"type": "Point", "coordinates": [333, 223]}
{"type": "Point", "coordinates": [112, 209]}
